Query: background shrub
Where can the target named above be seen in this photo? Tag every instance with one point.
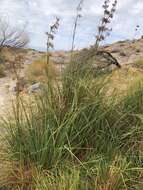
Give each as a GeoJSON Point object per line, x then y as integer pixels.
{"type": "Point", "coordinates": [2, 70]}
{"type": "Point", "coordinates": [37, 71]}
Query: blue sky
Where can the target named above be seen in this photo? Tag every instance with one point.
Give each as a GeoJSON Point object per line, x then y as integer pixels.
{"type": "Point", "coordinates": [37, 15]}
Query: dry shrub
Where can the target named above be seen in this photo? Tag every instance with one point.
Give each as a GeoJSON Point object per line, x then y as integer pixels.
{"type": "Point", "coordinates": [20, 177]}
{"type": "Point", "coordinates": [37, 71]}
{"type": "Point", "coordinates": [2, 70]}
{"type": "Point", "coordinates": [138, 64]}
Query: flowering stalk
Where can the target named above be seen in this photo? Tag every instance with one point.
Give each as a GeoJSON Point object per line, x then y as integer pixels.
{"type": "Point", "coordinates": [51, 36]}
{"type": "Point", "coordinates": [78, 16]}
{"type": "Point", "coordinates": [136, 31]}
{"type": "Point", "coordinates": [103, 30]}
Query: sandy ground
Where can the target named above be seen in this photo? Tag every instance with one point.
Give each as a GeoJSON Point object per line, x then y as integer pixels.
{"type": "Point", "coordinates": [7, 84]}
{"type": "Point", "coordinates": [6, 93]}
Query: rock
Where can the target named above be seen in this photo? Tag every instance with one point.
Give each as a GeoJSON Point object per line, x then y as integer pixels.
{"type": "Point", "coordinates": [123, 54]}
{"type": "Point", "coordinates": [13, 88]}
{"type": "Point", "coordinates": [60, 57]}
{"type": "Point", "coordinates": [34, 88]}
{"type": "Point", "coordinates": [115, 50]}
{"type": "Point", "coordinates": [58, 60]}
{"type": "Point", "coordinates": [138, 50]}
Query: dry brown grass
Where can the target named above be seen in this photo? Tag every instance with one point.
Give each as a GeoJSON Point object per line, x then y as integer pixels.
{"type": "Point", "coordinates": [121, 80]}
{"type": "Point", "coordinates": [36, 72]}
{"type": "Point", "coordinates": [2, 70]}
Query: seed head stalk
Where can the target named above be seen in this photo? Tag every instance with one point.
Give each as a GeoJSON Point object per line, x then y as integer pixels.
{"type": "Point", "coordinates": [78, 16]}
{"type": "Point", "coordinates": [103, 29]}
{"type": "Point", "coordinates": [50, 38]}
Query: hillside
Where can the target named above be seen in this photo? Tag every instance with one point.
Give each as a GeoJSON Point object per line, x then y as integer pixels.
{"type": "Point", "coordinates": [128, 53]}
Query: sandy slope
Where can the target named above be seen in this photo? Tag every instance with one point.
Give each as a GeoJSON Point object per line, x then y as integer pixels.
{"type": "Point", "coordinates": [126, 52]}
{"type": "Point", "coordinates": [7, 83]}
{"type": "Point", "coordinates": [5, 93]}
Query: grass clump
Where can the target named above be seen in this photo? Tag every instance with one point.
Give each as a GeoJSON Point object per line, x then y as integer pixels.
{"type": "Point", "coordinates": [78, 139]}
{"type": "Point", "coordinates": [75, 134]}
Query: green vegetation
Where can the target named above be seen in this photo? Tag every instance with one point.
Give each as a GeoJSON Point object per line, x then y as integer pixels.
{"type": "Point", "coordinates": [74, 136]}
{"type": "Point", "coordinates": [80, 132]}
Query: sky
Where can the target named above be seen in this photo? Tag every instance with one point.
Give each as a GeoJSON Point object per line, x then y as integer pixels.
{"type": "Point", "coordinates": [37, 15]}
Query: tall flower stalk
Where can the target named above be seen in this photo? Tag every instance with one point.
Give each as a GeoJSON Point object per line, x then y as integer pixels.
{"type": "Point", "coordinates": [50, 37]}
{"type": "Point", "coordinates": [78, 16]}
{"type": "Point", "coordinates": [103, 29]}
{"type": "Point", "coordinates": [137, 28]}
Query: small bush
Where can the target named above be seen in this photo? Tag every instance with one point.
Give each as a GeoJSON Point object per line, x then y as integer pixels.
{"type": "Point", "coordinates": [138, 64]}
{"type": "Point", "coordinates": [2, 59]}
{"type": "Point", "coordinates": [2, 70]}
{"type": "Point", "coordinates": [37, 71]}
